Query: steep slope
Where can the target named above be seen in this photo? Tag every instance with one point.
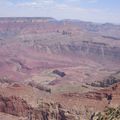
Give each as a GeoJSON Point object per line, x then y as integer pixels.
{"type": "Point", "coordinates": [31, 45]}
{"type": "Point", "coordinates": [63, 37]}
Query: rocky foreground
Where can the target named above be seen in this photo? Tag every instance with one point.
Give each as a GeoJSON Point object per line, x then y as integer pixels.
{"type": "Point", "coordinates": [95, 105]}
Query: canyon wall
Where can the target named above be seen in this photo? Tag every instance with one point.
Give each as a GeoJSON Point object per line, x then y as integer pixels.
{"type": "Point", "coordinates": [66, 37]}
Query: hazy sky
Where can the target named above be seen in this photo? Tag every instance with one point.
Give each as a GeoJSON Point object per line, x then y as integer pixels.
{"type": "Point", "coordinates": [88, 10]}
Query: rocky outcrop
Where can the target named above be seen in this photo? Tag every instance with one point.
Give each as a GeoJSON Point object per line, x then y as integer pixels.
{"type": "Point", "coordinates": [54, 111]}
{"type": "Point", "coordinates": [45, 111]}
{"type": "Point", "coordinates": [39, 86]}
{"type": "Point", "coordinates": [14, 106]}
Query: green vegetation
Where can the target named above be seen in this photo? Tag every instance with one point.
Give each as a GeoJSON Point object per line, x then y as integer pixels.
{"type": "Point", "coordinates": [106, 82]}
{"type": "Point", "coordinates": [109, 114]}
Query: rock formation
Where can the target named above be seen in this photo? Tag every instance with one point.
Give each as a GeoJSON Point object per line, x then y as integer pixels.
{"type": "Point", "coordinates": [46, 111]}
{"type": "Point", "coordinates": [14, 106]}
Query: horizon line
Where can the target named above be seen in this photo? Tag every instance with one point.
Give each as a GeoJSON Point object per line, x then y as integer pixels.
{"type": "Point", "coordinates": [70, 19]}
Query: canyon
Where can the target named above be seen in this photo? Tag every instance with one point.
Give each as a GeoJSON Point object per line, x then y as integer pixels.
{"type": "Point", "coordinates": [58, 69]}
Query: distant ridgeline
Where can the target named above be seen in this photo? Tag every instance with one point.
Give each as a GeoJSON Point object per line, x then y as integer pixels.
{"type": "Point", "coordinates": [66, 37]}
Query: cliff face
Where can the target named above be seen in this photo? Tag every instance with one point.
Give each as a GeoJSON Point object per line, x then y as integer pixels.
{"type": "Point", "coordinates": [14, 106]}
{"type": "Point", "coordinates": [63, 37]}
{"type": "Point", "coordinates": [46, 111]}
{"type": "Point", "coordinates": [85, 49]}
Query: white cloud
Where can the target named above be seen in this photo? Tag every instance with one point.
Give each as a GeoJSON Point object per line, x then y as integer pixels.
{"type": "Point", "coordinates": [92, 1]}
{"type": "Point", "coordinates": [51, 8]}
{"type": "Point", "coordinates": [35, 3]}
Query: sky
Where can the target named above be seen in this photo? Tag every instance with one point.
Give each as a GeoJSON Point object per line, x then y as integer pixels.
{"type": "Point", "coordinates": [87, 10]}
